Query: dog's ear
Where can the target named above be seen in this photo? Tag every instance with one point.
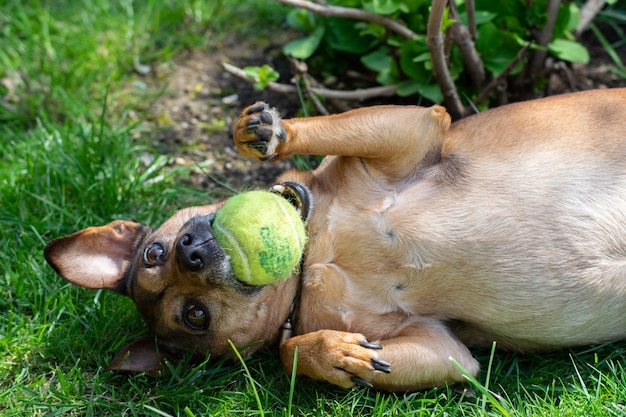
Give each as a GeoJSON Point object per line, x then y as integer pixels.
{"type": "Point", "coordinates": [141, 355]}
{"type": "Point", "coordinates": [97, 257]}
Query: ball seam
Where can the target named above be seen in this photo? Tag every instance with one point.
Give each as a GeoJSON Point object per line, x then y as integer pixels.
{"type": "Point", "coordinates": [239, 249]}
{"type": "Point", "coordinates": [294, 228]}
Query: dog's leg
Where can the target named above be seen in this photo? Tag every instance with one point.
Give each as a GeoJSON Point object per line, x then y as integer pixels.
{"type": "Point", "coordinates": [416, 356]}
{"type": "Point", "coordinates": [391, 139]}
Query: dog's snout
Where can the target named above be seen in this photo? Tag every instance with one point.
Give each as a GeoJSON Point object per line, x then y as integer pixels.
{"type": "Point", "coordinates": [195, 249]}
{"type": "Point", "coordinates": [192, 252]}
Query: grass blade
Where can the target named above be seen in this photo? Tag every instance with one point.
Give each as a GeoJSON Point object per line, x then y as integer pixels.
{"type": "Point", "coordinates": [249, 376]}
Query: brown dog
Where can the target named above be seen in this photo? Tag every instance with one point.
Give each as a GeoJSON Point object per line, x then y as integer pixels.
{"type": "Point", "coordinates": [424, 238]}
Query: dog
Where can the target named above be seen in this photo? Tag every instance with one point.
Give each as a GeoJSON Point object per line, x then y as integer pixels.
{"type": "Point", "coordinates": [426, 238]}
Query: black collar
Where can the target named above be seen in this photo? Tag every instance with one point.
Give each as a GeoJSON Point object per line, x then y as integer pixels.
{"type": "Point", "coordinates": [300, 196]}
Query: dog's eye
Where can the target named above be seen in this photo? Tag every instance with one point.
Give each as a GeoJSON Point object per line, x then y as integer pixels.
{"type": "Point", "coordinates": [195, 317]}
{"type": "Point", "coordinates": [154, 254]}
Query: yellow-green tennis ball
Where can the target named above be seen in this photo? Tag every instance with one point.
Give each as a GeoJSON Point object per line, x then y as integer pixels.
{"type": "Point", "coordinates": [263, 234]}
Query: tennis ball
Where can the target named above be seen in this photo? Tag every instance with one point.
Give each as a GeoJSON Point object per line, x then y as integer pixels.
{"type": "Point", "coordinates": [263, 235]}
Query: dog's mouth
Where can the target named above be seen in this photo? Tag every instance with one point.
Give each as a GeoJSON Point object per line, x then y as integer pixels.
{"type": "Point", "coordinates": [298, 195]}
{"type": "Point", "coordinates": [198, 251]}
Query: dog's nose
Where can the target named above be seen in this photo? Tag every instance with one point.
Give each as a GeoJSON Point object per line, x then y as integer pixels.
{"type": "Point", "coordinates": [195, 249]}
{"type": "Point", "coordinates": [191, 252]}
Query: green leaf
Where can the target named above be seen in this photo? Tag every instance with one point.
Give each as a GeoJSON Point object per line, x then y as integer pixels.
{"type": "Point", "coordinates": [446, 20]}
{"type": "Point", "coordinates": [574, 16]}
{"type": "Point", "coordinates": [347, 36]}
{"type": "Point", "coordinates": [303, 48]}
{"type": "Point", "coordinates": [481, 16]}
{"type": "Point", "coordinates": [566, 21]}
{"type": "Point", "coordinates": [385, 7]}
{"type": "Point", "coordinates": [502, 8]}
{"type": "Point", "coordinates": [373, 29]}
{"type": "Point", "coordinates": [302, 20]}
{"type": "Point", "coordinates": [408, 88]}
{"type": "Point", "coordinates": [389, 76]}
{"type": "Point", "coordinates": [569, 51]}
{"type": "Point", "coordinates": [415, 60]}
{"type": "Point", "coordinates": [262, 75]}
{"type": "Point", "coordinates": [379, 60]}
{"type": "Point", "coordinates": [430, 92]}
{"type": "Point", "coordinates": [497, 47]}
{"type": "Point", "coordinates": [423, 57]}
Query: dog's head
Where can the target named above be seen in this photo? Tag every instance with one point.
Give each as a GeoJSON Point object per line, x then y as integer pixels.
{"type": "Point", "coordinates": [181, 281]}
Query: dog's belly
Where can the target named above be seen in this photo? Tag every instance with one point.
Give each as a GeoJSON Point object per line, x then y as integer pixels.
{"type": "Point", "coordinates": [530, 253]}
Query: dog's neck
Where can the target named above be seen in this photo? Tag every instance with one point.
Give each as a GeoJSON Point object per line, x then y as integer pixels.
{"type": "Point", "coordinates": [301, 197]}
{"type": "Point", "coordinates": [286, 331]}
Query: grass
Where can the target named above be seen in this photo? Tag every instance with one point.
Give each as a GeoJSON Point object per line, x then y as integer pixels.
{"type": "Point", "coordinates": [70, 157]}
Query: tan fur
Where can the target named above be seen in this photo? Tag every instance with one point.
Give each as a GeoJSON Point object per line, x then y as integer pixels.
{"type": "Point", "coordinates": [425, 237]}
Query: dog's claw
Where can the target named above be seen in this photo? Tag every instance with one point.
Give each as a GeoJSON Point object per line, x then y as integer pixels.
{"type": "Point", "coordinates": [259, 107]}
{"type": "Point", "coordinates": [361, 382]}
{"type": "Point", "coordinates": [370, 345]}
{"type": "Point", "coordinates": [281, 134]}
{"type": "Point", "coordinates": [259, 145]}
{"type": "Point", "coordinates": [253, 125]}
{"type": "Point", "coordinates": [381, 365]}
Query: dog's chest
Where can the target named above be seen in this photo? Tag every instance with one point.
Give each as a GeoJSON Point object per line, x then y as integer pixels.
{"type": "Point", "coordinates": [363, 264]}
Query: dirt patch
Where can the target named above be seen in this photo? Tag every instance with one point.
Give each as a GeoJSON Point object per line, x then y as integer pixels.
{"type": "Point", "coordinates": [192, 122]}
{"type": "Point", "coordinates": [597, 74]}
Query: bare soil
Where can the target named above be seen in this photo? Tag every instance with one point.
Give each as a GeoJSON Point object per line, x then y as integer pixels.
{"type": "Point", "coordinates": [192, 122]}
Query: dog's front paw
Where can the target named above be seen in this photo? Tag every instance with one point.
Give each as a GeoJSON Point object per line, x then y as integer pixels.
{"type": "Point", "coordinates": [341, 358]}
{"type": "Point", "coordinates": [258, 132]}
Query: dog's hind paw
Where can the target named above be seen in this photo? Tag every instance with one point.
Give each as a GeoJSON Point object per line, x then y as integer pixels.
{"type": "Point", "coordinates": [258, 132]}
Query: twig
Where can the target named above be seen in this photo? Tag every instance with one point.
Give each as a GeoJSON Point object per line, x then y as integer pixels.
{"type": "Point", "coordinates": [301, 66]}
{"type": "Point", "coordinates": [587, 13]}
{"type": "Point", "coordinates": [470, 8]}
{"type": "Point", "coordinates": [435, 42]}
{"type": "Point", "coordinates": [471, 59]}
{"type": "Point", "coordinates": [544, 37]}
{"type": "Point", "coordinates": [496, 81]}
{"type": "Point", "coordinates": [352, 13]}
{"type": "Point", "coordinates": [301, 75]}
{"type": "Point", "coordinates": [359, 94]}
{"type": "Point", "coordinates": [312, 96]}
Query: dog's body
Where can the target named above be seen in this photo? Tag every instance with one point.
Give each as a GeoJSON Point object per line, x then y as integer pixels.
{"type": "Point", "coordinates": [510, 226]}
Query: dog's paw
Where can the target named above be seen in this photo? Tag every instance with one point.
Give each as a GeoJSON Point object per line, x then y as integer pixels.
{"type": "Point", "coordinates": [258, 132]}
{"type": "Point", "coordinates": [341, 358]}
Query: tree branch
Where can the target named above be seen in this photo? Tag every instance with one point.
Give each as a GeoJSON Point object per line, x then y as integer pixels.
{"type": "Point", "coordinates": [470, 8]}
{"type": "Point", "coordinates": [358, 94]}
{"type": "Point", "coordinates": [544, 37]}
{"type": "Point", "coordinates": [352, 13]}
{"type": "Point", "coordinates": [464, 40]}
{"type": "Point", "coordinates": [501, 77]}
{"type": "Point", "coordinates": [587, 13]}
{"type": "Point", "coordinates": [435, 41]}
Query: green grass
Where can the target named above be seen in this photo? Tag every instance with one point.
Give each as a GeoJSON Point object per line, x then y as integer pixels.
{"type": "Point", "coordinates": [70, 157]}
